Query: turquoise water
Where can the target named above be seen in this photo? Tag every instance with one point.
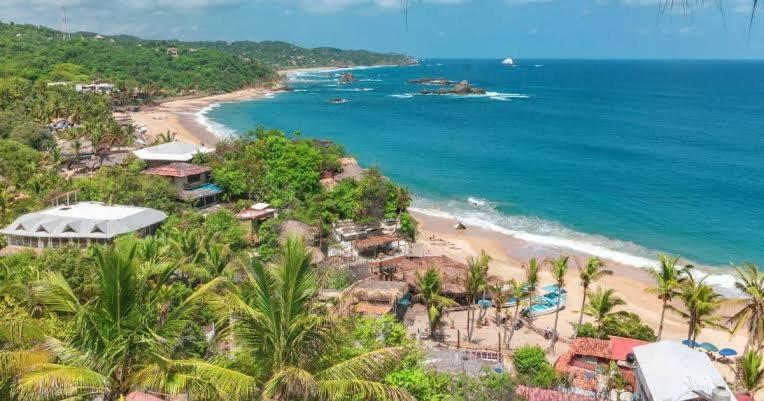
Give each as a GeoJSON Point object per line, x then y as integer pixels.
{"type": "Point", "coordinates": [615, 158]}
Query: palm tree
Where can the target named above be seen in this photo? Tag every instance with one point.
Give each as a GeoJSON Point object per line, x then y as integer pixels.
{"type": "Point", "coordinates": [601, 304]}
{"type": "Point", "coordinates": [476, 281]}
{"type": "Point", "coordinates": [519, 291]}
{"type": "Point", "coordinates": [751, 283]}
{"type": "Point", "coordinates": [559, 270]}
{"type": "Point", "coordinates": [430, 295]}
{"type": "Point", "coordinates": [701, 303]}
{"type": "Point", "coordinates": [500, 294]}
{"type": "Point", "coordinates": [668, 278]}
{"type": "Point", "coordinates": [278, 319]}
{"type": "Point", "coordinates": [751, 372]}
{"type": "Point", "coordinates": [531, 282]}
{"type": "Point", "coordinates": [593, 271]}
{"type": "Point", "coordinates": [123, 338]}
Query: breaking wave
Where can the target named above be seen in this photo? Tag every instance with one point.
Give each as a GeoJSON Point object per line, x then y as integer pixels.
{"type": "Point", "coordinates": [478, 212]}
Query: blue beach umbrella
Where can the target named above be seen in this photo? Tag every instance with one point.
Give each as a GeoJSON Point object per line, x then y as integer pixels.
{"type": "Point", "coordinates": [727, 352]}
{"type": "Point", "coordinates": [709, 347]}
{"type": "Point", "coordinates": [690, 343]}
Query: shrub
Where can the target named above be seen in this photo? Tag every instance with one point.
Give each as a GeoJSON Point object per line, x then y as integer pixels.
{"type": "Point", "coordinates": [619, 324]}
{"type": "Point", "coordinates": [529, 359]}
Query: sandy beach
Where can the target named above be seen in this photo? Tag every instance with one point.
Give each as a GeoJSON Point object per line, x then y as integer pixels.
{"type": "Point", "coordinates": [179, 115]}
{"type": "Point", "coordinates": [509, 254]}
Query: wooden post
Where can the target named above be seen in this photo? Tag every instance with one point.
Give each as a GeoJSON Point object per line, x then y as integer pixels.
{"type": "Point", "coordinates": [458, 338]}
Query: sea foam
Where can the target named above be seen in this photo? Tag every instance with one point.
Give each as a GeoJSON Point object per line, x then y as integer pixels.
{"type": "Point", "coordinates": [212, 126]}
{"type": "Point", "coordinates": [482, 213]}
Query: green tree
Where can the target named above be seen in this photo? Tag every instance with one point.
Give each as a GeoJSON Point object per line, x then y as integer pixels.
{"type": "Point", "coordinates": [601, 304]}
{"type": "Point", "coordinates": [279, 320]}
{"type": "Point", "coordinates": [751, 372]}
{"type": "Point", "coordinates": [531, 284]}
{"type": "Point", "coordinates": [430, 295]}
{"type": "Point", "coordinates": [519, 291]}
{"type": "Point", "coordinates": [591, 272]}
{"type": "Point", "coordinates": [751, 283]}
{"type": "Point", "coordinates": [122, 339]}
{"type": "Point", "coordinates": [701, 303]}
{"type": "Point", "coordinates": [559, 271]}
{"type": "Point", "coordinates": [476, 281]}
{"type": "Point", "coordinates": [668, 279]}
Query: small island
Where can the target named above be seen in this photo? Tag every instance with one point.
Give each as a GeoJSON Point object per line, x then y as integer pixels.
{"type": "Point", "coordinates": [347, 78]}
{"type": "Point", "coordinates": [432, 81]}
{"type": "Point", "coordinates": [461, 88]}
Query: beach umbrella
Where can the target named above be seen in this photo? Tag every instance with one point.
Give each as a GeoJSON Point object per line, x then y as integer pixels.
{"type": "Point", "coordinates": [690, 343]}
{"type": "Point", "coordinates": [709, 347]}
{"type": "Point", "coordinates": [727, 352]}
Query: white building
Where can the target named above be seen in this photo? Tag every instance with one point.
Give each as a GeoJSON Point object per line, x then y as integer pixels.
{"type": "Point", "coordinates": [81, 224]}
{"type": "Point", "coordinates": [170, 152]}
{"type": "Point", "coordinates": [103, 89]}
{"type": "Point", "coordinates": [670, 371]}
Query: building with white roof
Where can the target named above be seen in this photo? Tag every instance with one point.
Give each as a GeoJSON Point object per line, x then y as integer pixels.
{"type": "Point", "coordinates": [670, 371]}
{"type": "Point", "coordinates": [81, 224]}
{"type": "Point", "coordinates": [170, 152]}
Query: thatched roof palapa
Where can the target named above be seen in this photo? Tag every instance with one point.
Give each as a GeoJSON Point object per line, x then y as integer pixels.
{"type": "Point", "coordinates": [374, 242]}
{"type": "Point", "coordinates": [452, 273]}
{"type": "Point", "coordinates": [379, 291]}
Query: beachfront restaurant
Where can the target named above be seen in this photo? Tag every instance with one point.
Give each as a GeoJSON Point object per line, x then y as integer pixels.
{"type": "Point", "coordinates": [80, 224]}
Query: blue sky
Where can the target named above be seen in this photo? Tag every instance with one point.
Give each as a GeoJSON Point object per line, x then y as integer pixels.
{"type": "Point", "coordinates": [436, 28]}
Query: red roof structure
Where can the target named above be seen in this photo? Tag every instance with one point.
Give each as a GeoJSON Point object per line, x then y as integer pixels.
{"type": "Point", "coordinates": [622, 346]}
{"type": "Point", "coordinates": [542, 394]}
{"type": "Point", "coordinates": [177, 169]}
{"type": "Point", "coordinates": [578, 363]}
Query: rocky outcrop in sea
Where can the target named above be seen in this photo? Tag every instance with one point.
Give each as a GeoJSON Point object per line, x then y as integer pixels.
{"type": "Point", "coordinates": [461, 88]}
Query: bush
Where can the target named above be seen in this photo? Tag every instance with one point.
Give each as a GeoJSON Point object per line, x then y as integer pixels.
{"type": "Point", "coordinates": [533, 368]}
{"type": "Point", "coordinates": [408, 226]}
{"type": "Point", "coordinates": [423, 385]}
{"type": "Point", "coordinates": [269, 240]}
{"type": "Point", "coordinates": [529, 359]}
{"type": "Point", "coordinates": [619, 324]}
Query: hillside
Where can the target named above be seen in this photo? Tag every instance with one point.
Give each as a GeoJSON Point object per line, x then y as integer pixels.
{"type": "Point", "coordinates": [40, 54]}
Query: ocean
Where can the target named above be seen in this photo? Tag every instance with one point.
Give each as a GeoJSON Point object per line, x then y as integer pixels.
{"type": "Point", "coordinates": [621, 159]}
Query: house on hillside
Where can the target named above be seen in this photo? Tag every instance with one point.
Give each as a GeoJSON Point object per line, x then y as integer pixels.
{"type": "Point", "coordinates": [170, 152]}
{"type": "Point", "coordinates": [354, 240]}
{"type": "Point", "coordinates": [102, 88]}
{"type": "Point", "coordinates": [191, 181]}
{"type": "Point", "coordinates": [173, 51]}
{"type": "Point", "coordinates": [81, 224]}
{"type": "Point", "coordinates": [668, 370]}
{"type": "Point", "coordinates": [588, 357]}
{"type": "Point", "coordinates": [98, 37]}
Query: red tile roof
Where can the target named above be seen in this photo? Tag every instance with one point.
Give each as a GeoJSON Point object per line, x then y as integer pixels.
{"type": "Point", "coordinates": [614, 349]}
{"type": "Point", "coordinates": [540, 394]}
{"type": "Point", "coordinates": [621, 347]}
{"type": "Point", "coordinates": [177, 169]}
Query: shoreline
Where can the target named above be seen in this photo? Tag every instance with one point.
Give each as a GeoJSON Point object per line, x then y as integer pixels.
{"type": "Point", "coordinates": [509, 254]}
{"type": "Point", "coordinates": [184, 116]}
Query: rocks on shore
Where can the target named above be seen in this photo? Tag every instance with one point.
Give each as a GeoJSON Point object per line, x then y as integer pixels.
{"type": "Point", "coordinates": [347, 78]}
{"type": "Point", "coordinates": [432, 81]}
{"type": "Point", "coordinates": [461, 88]}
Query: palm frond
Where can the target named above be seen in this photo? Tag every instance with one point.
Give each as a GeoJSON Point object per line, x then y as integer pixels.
{"type": "Point", "coordinates": [291, 383]}
{"type": "Point", "coordinates": [366, 390]}
{"type": "Point", "coordinates": [49, 381]}
{"type": "Point", "coordinates": [53, 291]}
{"type": "Point", "coordinates": [369, 366]}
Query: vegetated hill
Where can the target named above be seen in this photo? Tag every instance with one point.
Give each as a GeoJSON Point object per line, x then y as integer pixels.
{"type": "Point", "coordinates": [41, 54]}
{"type": "Point", "coordinates": [286, 55]}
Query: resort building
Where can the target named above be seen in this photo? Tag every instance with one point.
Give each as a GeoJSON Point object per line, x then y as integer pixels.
{"type": "Point", "coordinates": [191, 181]}
{"type": "Point", "coordinates": [170, 152]}
{"type": "Point", "coordinates": [173, 51]}
{"type": "Point", "coordinates": [587, 358]}
{"type": "Point", "coordinates": [668, 370]}
{"type": "Point", "coordinates": [80, 224]}
{"type": "Point", "coordinates": [102, 88]}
